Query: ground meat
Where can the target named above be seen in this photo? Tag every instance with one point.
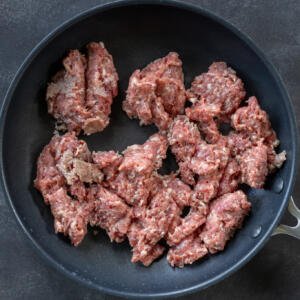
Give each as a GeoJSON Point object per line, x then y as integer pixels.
{"type": "Point", "coordinates": [152, 225]}
{"type": "Point", "coordinates": [188, 251]}
{"type": "Point", "coordinates": [180, 192]}
{"type": "Point", "coordinates": [153, 222]}
{"type": "Point", "coordinates": [153, 254]}
{"type": "Point", "coordinates": [66, 92]}
{"type": "Point", "coordinates": [238, 143]}
{"type": "Point", "coordinates": [254, 166]}
{"type": "Point", "coordinates": [48, 179]}
{"type": "Point", "coordinates": [226, 215]}
{"type": "Point", "coordinates": [134, 180]}
{"type": "Point", "coordinates": [123, 193]}
{"type": "Point", "coordinates": [209, 159]}
{"type": "Point", "coordinates": [209, 128]}
{"type": "Point", "coordinates": [72, 158]}
{"type": "Point", "coordinates": [186, 174]}
{"type": "Point", "coordinates": [230, 178]}
{"type": "Point", "coordinates": [195, 156]}
{"type": "Point", "coordinates": [216, 158]}
{"type": "Point", "coordinates": [253, 121]}
{"type": "Point", "coordinates": [255, 128]}
{"type": "Point", "coordinates": [156, 94]}
{"type": "Point", "coordinates": [70, 103]}
{"type": "Point", "coordinates": [187, 225]}
{"type": "Point", "coordinates": [71, 215]}
{"type": "Point", "coordinates": [217, 93]}
{"type": "Point", "coordinates": [275, 160]}
{"type": "Point", "coordinates": [67, 159]}
{"type": "Point", "coordinates": [206, 188]}
{"type": "Point", "coordinates": [108, 162]}
{"type": "Point", "coordinates": [183, 137]}
{"type": "Point", "coordinates": [110, 213]}
{"type": "Point", "coordinates": [102, 80]}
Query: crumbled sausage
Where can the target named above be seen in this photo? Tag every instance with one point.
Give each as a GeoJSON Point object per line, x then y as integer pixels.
{"type": "Point", "coordinates": [71, 215]}
{"type": "Point", "coordinates": [188, 224]}
{"type": "Point", "coordinates": [253, 124]}
{"type": "Point", "coordinates": [188, 251]}
{"type": "Point", "coordinates": [108, 162]}
{"type": "Point", "coordinates": [134, 180]}
{"type": "Point", "coordinates": [110, 213]}
{"type": "Point", "coordinates": [183, 137]}
{"type": "Point", "coordinates": [152, 225]}
{"type": "Point", "coordinates": [254, 166]}
{"type": "Point", "coordinates": [217, 93]}
{"type": "Point", "coordinates": [156, 94]}
{"type": "Point", "coordinates": [253, 121]}
{"type": "Point", "coordinates": [226, 215]}
{"type": "Point", "coordinates": [124, 193]}
{"type": "Point", "coordinates": [230, 178]}
{"type": "Point", "coordinates": [75, 107]}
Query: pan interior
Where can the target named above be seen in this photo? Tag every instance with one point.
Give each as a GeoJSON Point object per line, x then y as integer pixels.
{"type": "Point", "coordinates": [136, 35]}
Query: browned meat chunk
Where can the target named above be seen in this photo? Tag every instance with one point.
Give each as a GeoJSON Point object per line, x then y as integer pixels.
{"type": "Point", "coordinates": [156, 94]}
{"type": "Point", "coordinates": [134, 180]}
{"type": "Point", "coordinates": [72, 156]}
{"type": "Point", "coordinates": [226, 215]}
{"type": "Point", "coordinates": [110, 213]}
{"type": "Point", "coordinates": [217, 93]}
{"type": "Point", "coordinates": [188, 251]}
{"type": "Point", "coordinates": [70, 103]}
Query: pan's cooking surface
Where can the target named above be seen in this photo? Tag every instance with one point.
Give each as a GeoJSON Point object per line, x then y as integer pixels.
{"type": "Point", "coordinates": [134, 38]}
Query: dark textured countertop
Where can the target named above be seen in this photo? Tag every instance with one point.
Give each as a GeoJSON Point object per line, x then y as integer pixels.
{"type": "Point", "coordinates": [275, 27]}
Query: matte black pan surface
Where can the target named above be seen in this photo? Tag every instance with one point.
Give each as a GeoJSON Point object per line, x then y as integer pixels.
{"type": "Point", "coordinates": [136, 34]}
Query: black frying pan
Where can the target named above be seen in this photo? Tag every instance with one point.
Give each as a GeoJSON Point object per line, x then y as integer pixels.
{"type": "Point", "coordinates": [136, 34]}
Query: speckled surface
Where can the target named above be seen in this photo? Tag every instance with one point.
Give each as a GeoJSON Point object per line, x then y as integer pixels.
{"type": "Point", "coordinates": [275, 27]}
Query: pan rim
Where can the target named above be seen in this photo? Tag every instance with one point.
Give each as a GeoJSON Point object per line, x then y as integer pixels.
{"type": "Point", "coordinates": [197, 10]}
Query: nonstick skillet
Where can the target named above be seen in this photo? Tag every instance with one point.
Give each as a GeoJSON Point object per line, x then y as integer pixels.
{"type": "Point", "coordinates": [137, 32]}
